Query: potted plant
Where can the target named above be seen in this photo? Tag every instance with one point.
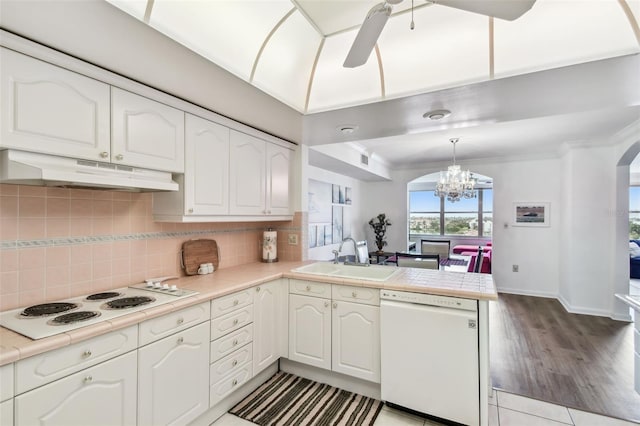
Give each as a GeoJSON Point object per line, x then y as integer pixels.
{"type": "Point", "coordinates": [380, 229]}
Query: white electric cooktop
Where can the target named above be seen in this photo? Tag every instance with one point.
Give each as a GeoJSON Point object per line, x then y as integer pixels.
{"type": "Point", "coordinates": [52, 318]}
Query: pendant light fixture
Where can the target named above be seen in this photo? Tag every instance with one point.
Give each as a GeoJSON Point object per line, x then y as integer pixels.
{"type": "Point", "coordinates": [455, 183]}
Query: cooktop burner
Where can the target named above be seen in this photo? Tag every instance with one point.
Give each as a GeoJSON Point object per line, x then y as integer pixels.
{"type": "Point", "coordinates": [73, 317]}
{"type": "Point", "coordinates": [61, 316]}
{"type": "Point", "coordinates": [102, 296]}
{"type": "Point", "coordinates": [47, 309]}
{"type": "Point", "coordinates": [128, 302]}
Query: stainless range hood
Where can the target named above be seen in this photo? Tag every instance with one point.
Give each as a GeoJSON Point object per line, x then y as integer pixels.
{"type": "Point", "coordinates": [29, 168]}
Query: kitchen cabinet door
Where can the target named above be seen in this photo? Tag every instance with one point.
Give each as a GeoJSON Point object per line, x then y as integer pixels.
{"type": "Point", "coordinates": [356, 340]}
{"type": "Point", "coordinates": [6, 412]}
{"type": "Point", "coordinates": [310, 330]}
{"type": "Point", "coordinates": [278, 172]}
{"type": "Point", "coordinates": [247, 175]}
{"type": "Point", "coordinates": [146, 133]}
{"type": "Point", "coordinates": [101, 395]}
{"type": "Point", "coordinates": [207, 167]}
{"type": "Point", "coordinates": [173, 378]}
{"type": "Point", "coordinates": [270, 324]}
{"type": "Point", "coordinates": [47, 109]}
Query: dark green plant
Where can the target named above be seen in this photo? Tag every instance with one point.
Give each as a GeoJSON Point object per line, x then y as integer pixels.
{"type": "Point", "coordinates": [380, 229]}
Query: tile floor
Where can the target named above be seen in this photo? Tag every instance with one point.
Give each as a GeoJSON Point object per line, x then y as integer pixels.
{"type": "Point", "coordinates": [505, 409]}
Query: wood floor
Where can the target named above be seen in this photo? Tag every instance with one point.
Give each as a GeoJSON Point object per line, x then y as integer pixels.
{"type": "Point", "coordinates": [541, 351]}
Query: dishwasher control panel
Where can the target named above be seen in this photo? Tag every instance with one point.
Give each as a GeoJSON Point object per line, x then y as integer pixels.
{"type": "Point", "coordinates": [429, 299]}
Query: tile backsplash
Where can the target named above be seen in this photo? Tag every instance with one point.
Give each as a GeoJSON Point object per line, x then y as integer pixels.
{"type": "Point", "coordinates": [57, 243]}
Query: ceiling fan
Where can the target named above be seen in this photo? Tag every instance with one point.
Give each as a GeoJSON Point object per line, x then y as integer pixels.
{"type": "Point", "coordinates": [379, 14]}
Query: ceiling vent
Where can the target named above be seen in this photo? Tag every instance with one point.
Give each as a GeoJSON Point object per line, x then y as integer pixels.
{"type": "Point", "coordinates": [364, 159]}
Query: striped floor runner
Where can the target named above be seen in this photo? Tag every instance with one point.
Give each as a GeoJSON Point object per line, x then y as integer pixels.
{"type": "Point", "coordinates": [286, 399]}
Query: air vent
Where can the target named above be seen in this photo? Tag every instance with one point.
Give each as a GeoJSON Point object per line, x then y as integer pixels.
{"type": "Point", "coordinates": [364, 159]}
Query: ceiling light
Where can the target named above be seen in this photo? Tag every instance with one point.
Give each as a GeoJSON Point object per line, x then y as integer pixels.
{"type": "Point", "coordinates": [437, 114]}
{"type": "Point", "coordinates": [455, 183]}
{"type": "Point", "coordinates": [347, 129]}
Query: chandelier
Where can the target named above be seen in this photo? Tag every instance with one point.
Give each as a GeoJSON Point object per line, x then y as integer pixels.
{"type": "Point", "coordinates": [455, 183]}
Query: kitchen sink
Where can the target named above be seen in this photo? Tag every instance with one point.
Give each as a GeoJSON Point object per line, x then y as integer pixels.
{"type": "Point", "coordinates": [371, 273]}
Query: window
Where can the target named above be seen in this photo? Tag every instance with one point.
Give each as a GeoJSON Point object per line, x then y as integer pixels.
{"type": "Point", "coordinates": [431, 215]}
{"type": "Point", "coordinates": [634, 212]}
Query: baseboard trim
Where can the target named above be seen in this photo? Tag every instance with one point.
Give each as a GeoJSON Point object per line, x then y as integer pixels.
{"type": "Point", "coordinates": [566, 305]}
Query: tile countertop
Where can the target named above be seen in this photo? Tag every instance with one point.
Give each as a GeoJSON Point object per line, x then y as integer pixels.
{"type": "Point", "coordinates": [14, 346]}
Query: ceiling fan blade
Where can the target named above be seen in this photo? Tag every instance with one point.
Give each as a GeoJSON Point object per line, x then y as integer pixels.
{"type": "Point", "coordinates": [368, 35]}
{"type": "Point", "coordinates": [503, 9]}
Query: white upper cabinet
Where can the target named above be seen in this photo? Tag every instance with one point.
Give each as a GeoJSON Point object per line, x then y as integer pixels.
{"type": "Point", "coordinates": [146, 133]}
{"type": "Point", "coordinates": [206, 174]}
{"type": "Point", "coordinates": [278, 173]}
{"type": "Point", "coordinates": [47, 109]}
{"type": "Point", "coordinates": [247, 175]}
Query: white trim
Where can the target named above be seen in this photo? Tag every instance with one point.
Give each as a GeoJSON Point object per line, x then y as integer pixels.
{"type": "Point", "coordinates": [583, 310]}
{"type": "Point", "coordinates": [521, 292]}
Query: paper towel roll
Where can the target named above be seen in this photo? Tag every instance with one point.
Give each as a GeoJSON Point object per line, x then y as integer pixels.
{"type": "Point", "coordinates": [270, 246]}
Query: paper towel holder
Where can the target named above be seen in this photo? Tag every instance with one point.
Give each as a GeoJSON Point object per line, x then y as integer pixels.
{"type": "Point", "coordinates": [270, 246]}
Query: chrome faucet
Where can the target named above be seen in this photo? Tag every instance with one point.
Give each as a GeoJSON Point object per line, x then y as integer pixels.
{"type": "Point", "coordinates": [336, 253]}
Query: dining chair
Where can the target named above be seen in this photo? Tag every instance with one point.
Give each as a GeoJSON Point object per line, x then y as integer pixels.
{"type": "Point", "coordinates": [478, 264]}
{"type": "Point", "coordinates": [427, 261]}
{"type": "Point", "coordinates": [440, 247]}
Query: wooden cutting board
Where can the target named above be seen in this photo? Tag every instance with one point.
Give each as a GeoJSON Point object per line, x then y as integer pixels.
{"type": "Point", "coordinates": [196, 252]}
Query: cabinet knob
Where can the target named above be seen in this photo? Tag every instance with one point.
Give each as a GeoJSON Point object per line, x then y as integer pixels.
{"type": "Point", "coordinates": [235, 382]}
{"type": "Point", "coordinates": [308, 288]}
{"type": "Point", "coordinates": [88, 379]}
{"type": "Point", "coordinates": [180, 321]}
{"type": "Point", "coordinates": [258, 288]}
{"type": "Point", "coordinates": [235, 342]}
{"type": "Point", "coordinates": [354, 294]}
{"type": "Point", "coordinates": [326, 304]}
{"type": "Point", "coordinates": [235, 321]}
{"type": "Point", "coordinates": [335, 305]}
{"type": "Point", "coordinates": [268, 211]}
{"type": "Point", "coordinates": [235, 302]}
{"type": "Point", "coordinates": [86, 354]}
{"type": "Point", "coordinates": [104, 154]}
{"type": "Point", "coordinates": [190, 210]}
{"type": "Point", "coordinates": [235, 362]}
{"type": "Point", "coordinates": [180, 340]}
{"type": "Point", "coordinates": [119, 157]}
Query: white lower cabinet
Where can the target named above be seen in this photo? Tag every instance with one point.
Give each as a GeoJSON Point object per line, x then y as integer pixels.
{"type": "Point", "coordinates": [337, 334]}
{"type": "Point", "coordinates": [270, 324]}
{"type": "Point", "coordinates": [6, 412]}
{"type": "Point", "coordinates": [231, 352]}
{"type": "Point", "coordinates": [173, 380]}
{"type": "Point", "coordinates": [101, 395]}
{"type": "Point", "coordinates": [355, 340]}
{"type": "Point", "coordinates": [310, 330]}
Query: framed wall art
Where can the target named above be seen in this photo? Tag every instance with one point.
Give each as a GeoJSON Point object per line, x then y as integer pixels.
{"type": "Point", "coordinates": [531, 214]}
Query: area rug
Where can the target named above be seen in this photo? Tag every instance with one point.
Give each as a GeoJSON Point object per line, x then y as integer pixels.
{"type": "Point", "coordinates": [286, 399]}
{"type": "Point", "coordinates": [452, 262]}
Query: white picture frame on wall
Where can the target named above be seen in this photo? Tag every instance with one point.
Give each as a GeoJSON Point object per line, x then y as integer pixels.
{"type": "Point", "coordinates": [531, 213]}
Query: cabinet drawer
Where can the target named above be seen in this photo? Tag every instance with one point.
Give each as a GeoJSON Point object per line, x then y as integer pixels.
{"type": "Point", "coordinates": [160, 327]}
{"type": "Point", "coordinates": [47, 367]}
{"type": "Point", "coordinates": [310, 288]}
{"type": "Point", "coordinates": [230, 303]}
{"type": "Point", "coordinates": [347, 293]}
{"type": "Point", "coordinates": [232, 382]}
{"type": "Point", "coordinates": [6, 382]}
{"type": "Point", "coordinates": [103, 395]}
{"type": "Point", "coordinates": [230, 364]}
{"type": "Point", "coordinates": [229, 343]}
{"type": "Point", "coordinates": [233, 321]}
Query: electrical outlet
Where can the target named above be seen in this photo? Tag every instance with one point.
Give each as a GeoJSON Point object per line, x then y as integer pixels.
{"type": "Point", "coordinates": [515, 268]}
{"type": "Point", "coordinates": [293, 239]}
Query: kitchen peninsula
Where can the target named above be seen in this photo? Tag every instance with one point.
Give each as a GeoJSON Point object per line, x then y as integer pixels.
{"type": "Point", "coordinates": [248, 308]}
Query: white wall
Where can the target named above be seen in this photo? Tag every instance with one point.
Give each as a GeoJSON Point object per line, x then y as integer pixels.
{"type": "Point", "coordinates": [358, 223]}
{"type": "Point", "coordinates": [99, 33]}
{"type": "Point", "coordinates": [534, 250]}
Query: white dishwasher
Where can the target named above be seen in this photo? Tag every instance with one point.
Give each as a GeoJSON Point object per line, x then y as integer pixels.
{"type": "Point", "coordinates": [429, 354]}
